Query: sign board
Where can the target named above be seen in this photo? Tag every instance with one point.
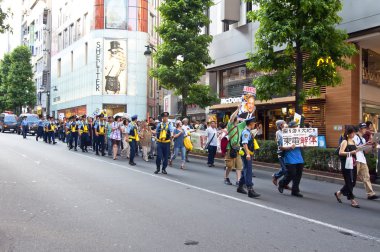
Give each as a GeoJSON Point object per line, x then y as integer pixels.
{"type": "Point", "coordinates": [61, 116]}
{"type": "Point", "coordinates": [248, 98]}
{"type": "Point", "coordinates": [301, 137]}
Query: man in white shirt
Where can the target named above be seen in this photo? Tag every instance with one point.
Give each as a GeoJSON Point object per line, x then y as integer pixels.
{"type": "Point", "coordinates": [187, 130]}
{"type": "Point", "coordinates": [212, 143]}
{"type": "Point", "coordinates": [362, 167]}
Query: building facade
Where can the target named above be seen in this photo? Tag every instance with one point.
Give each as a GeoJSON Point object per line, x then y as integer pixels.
{"type": "Point", "coordinates": [357, 99]}
{"type": "Point", "coordinates": [98, 60]}
{"type": "Point", "coordinates": [36, 34]}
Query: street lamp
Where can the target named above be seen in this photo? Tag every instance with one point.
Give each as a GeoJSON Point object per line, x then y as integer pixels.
{"type": "Point", "coordinates": [148, 51]}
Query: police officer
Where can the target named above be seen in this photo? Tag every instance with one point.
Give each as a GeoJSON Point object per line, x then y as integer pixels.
{"type": "Point", "coordinates": [51, 130]}
{"type": "Point", "coordinates": [25, 128]}
{"type": "Point", "coordinates": [74, 134]}
{"type": "Point", "coordinates": [133, 139]}
{"type": "Point", "coordinates": [247, 143]}
{"type": "Point", "coordinates": [40, 129]}
{"type": "Point", "coordinates": [84, 134]}
{"type": "Point", "coordinates": [67, 130]}
{"type": "Point", "coordinates": [100, 131]}
{"type": "Point", "coordinates": [46, 122]}
{"type": "Point", "coordinates": [164, 134]}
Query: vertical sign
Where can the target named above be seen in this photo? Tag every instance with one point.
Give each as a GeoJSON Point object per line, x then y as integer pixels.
{"type": "Point", "coordinates": [98, 66]}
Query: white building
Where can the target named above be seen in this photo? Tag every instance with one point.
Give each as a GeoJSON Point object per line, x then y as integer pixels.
{"type": "Point", "coordinates": [98, 57]}
{"type": "Point", "coordinates": [36, 34]}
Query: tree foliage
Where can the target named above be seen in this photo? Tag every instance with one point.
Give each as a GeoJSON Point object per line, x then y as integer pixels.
{"type": "Point", "coordinates": [180, 30]}
{"type": "Point", "coordinates": [17, 88]}
{"type": "Point", "coordinates": [202, 95]}
{"type": "Point", "coordinates": [3, 16]}
{"type": "Point", "coordinates": [298, 28]}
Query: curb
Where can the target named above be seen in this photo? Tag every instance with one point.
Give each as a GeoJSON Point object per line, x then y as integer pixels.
{"type": "Point", "coordinates": [334, 178]}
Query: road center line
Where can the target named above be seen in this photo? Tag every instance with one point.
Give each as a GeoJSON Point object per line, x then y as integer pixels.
{"type": "Point", "coordinates": [296, 216]}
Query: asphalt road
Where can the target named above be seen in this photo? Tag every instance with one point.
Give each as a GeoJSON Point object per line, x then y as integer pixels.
{"type": "Point", "coordinates": [52, 199]}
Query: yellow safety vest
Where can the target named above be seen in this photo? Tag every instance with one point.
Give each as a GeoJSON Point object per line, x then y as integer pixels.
{"type": "Point", "coordinates": [136, 135]}
{"type": "Point", "coordinates": [163, 134]}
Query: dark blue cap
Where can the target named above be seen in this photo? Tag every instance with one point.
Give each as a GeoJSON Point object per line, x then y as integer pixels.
{"type": "Point", "coordinates": [249, 120]}
{"type": "Point", "coordinates": [134, 117]}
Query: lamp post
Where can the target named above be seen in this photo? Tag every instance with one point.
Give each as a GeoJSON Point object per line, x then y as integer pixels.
{"type": "Point", "coordinates": [148, 54]}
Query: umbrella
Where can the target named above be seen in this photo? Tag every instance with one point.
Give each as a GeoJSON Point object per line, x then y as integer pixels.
{"type": "Point", "coordinates": [122, 115]}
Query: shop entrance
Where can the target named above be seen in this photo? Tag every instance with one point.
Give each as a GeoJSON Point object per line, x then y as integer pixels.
{"type": "Point", "coordinates": [112, 109]}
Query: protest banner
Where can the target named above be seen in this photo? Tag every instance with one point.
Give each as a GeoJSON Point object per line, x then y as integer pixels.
{"type": "Point", "coordinates": [248, 108]}
{"type": "Point", "coordinates": [300, 137]}
{"type": "Point", "coordinates": [199, 139]}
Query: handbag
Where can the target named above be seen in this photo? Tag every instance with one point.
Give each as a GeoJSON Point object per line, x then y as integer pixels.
{"type": "Point", "coordinates": [349, 162]}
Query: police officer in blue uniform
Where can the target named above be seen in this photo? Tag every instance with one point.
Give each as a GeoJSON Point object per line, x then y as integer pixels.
{"type": "Point", "coordinates": [51, 130]}
{"type": "Point", "coordinates": [100, 131]}
{"type": "Point", "coordinates": [164, 134]}
{"type": "Point", "coordinates": [133, 137]}
{"type": "Point", "coordinates": [247, 143]}
{"type": "Point", "coordinates": [84, 134]}
{"type": "Point", "coordinates": [45, 135]}
{"type": "Point", "coordinates": [25, 127]}
{"type": "Point", "coordinates": [74, 135]}
{"type": "Point", "coordinates": [40, 129]}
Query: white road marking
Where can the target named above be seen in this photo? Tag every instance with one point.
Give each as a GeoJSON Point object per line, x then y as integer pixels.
{"type": "Point", "coordinates": [296, 216]}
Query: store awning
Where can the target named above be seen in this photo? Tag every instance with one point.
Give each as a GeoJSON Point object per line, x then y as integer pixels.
{"type": "Point", "coordinates": [280, 100]}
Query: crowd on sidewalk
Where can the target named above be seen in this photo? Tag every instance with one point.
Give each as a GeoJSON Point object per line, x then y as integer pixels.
{"type": "Point", "coordinates": [164, 141]}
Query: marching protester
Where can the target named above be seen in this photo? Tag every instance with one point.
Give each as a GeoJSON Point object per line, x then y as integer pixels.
{"type": "Point", "coordinates": [179, 136]}
{"type": "Point", "coordinates": [212, 143]}
{"type": "Point", "coordinates": [164, 133]}
{"type": "Point", "coordinates": [280, 152]}
{"type": "Point", "coordinates": [347, 153]}
{"type": "Point", "coordinates": [145, 140]}
{"type": "Point", "coordinates": [116, 136]}
{"type": "Point", "coordinates": [361, 162]}
{"type": "Point", "coordinates": [187, 132]}
{"type": "Point", "coordinates": [247, 142]}
{"type": "Point", "coordinates": [152, 126]}
{"type": "Point", "coordinates": [294, 166]}
{"type": "Point", "coordinates": [125, 139]}
{"type": "Point", "coordinates": [108, 143]}
{"type": "Point", "coordinates": [232, 157]}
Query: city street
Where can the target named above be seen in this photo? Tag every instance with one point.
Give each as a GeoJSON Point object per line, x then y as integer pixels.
{"type": "Point", "coordinates": [52, 199]}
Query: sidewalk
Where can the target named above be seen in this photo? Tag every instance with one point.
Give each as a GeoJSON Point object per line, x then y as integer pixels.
{"type": "Point", "coordinates": [335, 178]}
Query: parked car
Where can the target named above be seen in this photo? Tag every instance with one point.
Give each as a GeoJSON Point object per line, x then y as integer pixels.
{"type": "Point", "coordinates": [32, 120]}
{"type": "Point", "coordinates": [8, 122]}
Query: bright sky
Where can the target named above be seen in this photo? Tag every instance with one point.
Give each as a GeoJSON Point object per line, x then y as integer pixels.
{"type": "Point", "coordinates": [15, 38]}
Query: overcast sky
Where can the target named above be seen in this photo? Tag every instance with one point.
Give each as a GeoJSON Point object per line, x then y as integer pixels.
{"type": "Point", "coordinates": [15, 38]}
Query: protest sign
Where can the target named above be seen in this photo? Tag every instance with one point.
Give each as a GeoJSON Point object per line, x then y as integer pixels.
{"type": "Point", "coordinates": [300, 137]}
{"type": "Point", "coordinates": [247, 109]}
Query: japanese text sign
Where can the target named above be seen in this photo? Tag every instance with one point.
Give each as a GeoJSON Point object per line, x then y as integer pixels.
{"type": "Point", "coordinates": [300, 137]}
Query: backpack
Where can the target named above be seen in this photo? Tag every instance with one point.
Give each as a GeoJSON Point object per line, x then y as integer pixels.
{"type": "Point", "coordinates": [223, 145]}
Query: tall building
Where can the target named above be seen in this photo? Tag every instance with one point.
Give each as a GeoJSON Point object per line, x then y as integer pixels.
{"type": "Point", "coordinates": [357, 99]}
{"type": "Point", "coordinates": [98, 60]}
{"type": "Point", "coordinates": [36, 34]}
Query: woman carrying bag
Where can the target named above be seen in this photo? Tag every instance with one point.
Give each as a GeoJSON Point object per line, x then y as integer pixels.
{"type": "Point", "coordinates": [347, 154]}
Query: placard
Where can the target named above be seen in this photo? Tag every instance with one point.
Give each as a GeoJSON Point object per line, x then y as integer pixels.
{"type": "Point", "coordinates": [248, 108]}
{"type": "Point", "coordinates": [301, 137]}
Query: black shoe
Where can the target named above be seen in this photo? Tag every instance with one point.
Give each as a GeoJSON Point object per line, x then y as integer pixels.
{"type": "Point", "coordinates": [164, 172]}
{"type": "Point", "coordinates": [297, 195]}
{"type": "Point", "coordinates": [97, 154]}
{"type": "Point", "coordinates": [240, 189]}
{"type": "Point", "coordinates": [373, 197]}
{"type": "Point", "coordinates": [187, 160]}
{"type": "Point", "coordinates": [75, 149]}
{"type": "Point", "coordinates": [252, 193]}
{"type": "Point", "coordinates": [54, 142]}
{"type": "Point", "coordinates": [212, 165]}
{"type": "Point", "coordinates": [133, 164]}
{"type": "Point", "coordinates": [209, 165]}
{"type": "Point", "coordinates": [83, 150]}
{"type": "Point", "coordinates": [227, 181]}
{"type": "Point", "coordinates": [157, 171]}
{"type": "Point", "coordinates": [103, 154]}
{"type": "Point", "coordinates": [280, 188]}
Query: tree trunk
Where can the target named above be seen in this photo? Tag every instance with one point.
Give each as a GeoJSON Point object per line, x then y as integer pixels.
{"type": "Point", "coordinates": [299, 78]}
{"type": "Point", "coordinates": [184, 105]}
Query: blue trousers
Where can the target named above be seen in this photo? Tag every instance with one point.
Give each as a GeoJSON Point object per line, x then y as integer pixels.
{"type": "Point", "coordinates": [99, 146]}
{"type": "Point", "coordinates": [246, 175]}
{"type": "Point", "coordinates": [132, 150]}
{"type": "Point", "coordinates": [24, 131]}
{"type": "Point", "coordinates": [282, 170]}
{"type": "Point", "coordinates": [51, 136]}
{"type": "Point", "coordinates": [163, 152]}
{"type": "Point", "coordinates": [73, 137]}
{"type": "Point", "coordinates": [211, 154]}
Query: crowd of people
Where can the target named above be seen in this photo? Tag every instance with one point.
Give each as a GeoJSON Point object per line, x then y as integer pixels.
{"type": "Point", "coordinates": [152, 139]}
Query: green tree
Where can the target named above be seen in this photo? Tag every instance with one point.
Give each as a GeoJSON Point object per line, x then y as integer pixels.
{"type": "Point", "coordinates": [21, 90]}
{"type": "Point", "coordinates": [3, 16]}
{"type": "Point", "coordinates": [181, 34]}
{"type": "Point", "coordinates": [202, 96]}
{"type": "Point", "coordinates": [5, 64]}
{"type": "Point", "coordinates": [306, 31]}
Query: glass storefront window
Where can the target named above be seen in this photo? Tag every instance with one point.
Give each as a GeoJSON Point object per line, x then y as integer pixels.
{"type": "Point", "coordinates": [235, 79]}
{"type": "Point", "coordinates": [371, 67]}
{"type": "Point", "coordinates": [129, 15]}
{"type": "Point", "coordinates": [373, 115]}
